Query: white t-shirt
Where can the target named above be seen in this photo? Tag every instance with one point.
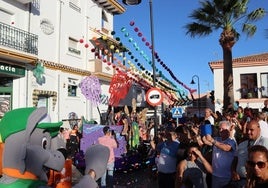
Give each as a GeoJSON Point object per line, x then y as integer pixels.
{"type": "Point", "coordinates": [264, 128]}
{"type": "Point", "coordinates": [152, 133]}
{"type": "Point", "coordinates": [211, 120]}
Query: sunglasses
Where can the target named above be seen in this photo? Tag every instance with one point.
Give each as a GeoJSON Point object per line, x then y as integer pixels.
{"type": "Point", "coordinates": [260, 164]}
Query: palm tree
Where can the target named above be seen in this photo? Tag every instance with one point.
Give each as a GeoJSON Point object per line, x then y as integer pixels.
{"type": "Point", "coordinates": [225, 15]}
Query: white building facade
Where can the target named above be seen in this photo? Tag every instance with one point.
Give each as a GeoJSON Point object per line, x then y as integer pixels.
{"type": "Point", "coordinates": [250, 76]}
{"type": "Point", "coordinates": [45, 52]}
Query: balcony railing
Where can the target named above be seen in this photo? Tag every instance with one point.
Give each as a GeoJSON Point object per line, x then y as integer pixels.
{"type": "Point", "coordinates": [18, 39]}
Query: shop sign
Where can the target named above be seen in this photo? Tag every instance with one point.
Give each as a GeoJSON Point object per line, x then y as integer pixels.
{"type": "Point", "coordinates": [12, 69]}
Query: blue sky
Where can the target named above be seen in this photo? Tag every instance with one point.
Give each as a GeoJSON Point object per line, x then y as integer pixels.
{"type": "Point", "coordinates": [184, 55]}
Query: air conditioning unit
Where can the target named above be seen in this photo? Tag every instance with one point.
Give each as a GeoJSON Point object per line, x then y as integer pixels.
{"type": "Point", "coordinates": [25, 1]}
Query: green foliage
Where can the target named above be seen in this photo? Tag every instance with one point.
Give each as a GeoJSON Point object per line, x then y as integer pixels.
{"type": "Point", "coordinates": [226, 15]}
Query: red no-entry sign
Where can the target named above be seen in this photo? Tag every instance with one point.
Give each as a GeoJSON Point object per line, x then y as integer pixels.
{"type": "Point", "coordinates": [154, 96]}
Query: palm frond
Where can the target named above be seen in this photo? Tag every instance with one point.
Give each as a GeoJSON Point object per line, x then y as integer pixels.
{"type": "Point", "coordinates": [197, 29]}
{"type": "Point", "coordinates": [256, 15]}
{"type": "Point", "coordinates": [249, 29]}
{"type": "Point", "coordinates": [240, 9]}
{"type": "Point", "coordinates": [209, 13]}
{"type": "Point", "coordinates": [216, 14]}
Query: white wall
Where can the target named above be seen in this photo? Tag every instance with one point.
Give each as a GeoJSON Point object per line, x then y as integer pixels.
{"type": "Point", "coordinates": [53, 42]}
{"type": "Point", "coordinates": [19, 14]}
{"type": "Point", "coordinates": [218, 86]}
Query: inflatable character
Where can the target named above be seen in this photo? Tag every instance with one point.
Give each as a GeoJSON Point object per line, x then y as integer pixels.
{"type": "Point", "coordinates": [27, 141]}
{"type": "Point", "coordinates": [96, 159]}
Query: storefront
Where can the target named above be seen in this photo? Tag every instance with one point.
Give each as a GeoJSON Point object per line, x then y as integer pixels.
{"type": "Point", "coordinates": [8, 73]}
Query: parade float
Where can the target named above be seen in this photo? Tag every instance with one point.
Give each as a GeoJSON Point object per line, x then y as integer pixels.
{"type": "Point", "coordinates": [128, 108]}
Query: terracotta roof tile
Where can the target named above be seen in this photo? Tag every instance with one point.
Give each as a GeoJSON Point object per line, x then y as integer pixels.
{"type": "Point", "coordinates": [245, 61]}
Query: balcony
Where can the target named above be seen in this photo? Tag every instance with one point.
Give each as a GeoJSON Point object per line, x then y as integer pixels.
{"type": "Point", "coordinates": [25, 1]}
{"type": "Point", "coordinates": [111, 6]}
{"type": "Point", "coordinates": [18, 39]}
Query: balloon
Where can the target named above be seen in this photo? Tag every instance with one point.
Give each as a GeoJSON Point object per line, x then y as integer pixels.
{"type": "Point", "coordinates": [104, 37]}
{"type": "Point", "coordinates": [131, 23]}
{"type": "Point", "coordinates": [123, 29]}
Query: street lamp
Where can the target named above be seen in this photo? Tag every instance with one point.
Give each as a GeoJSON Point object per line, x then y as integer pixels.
{"type": "Point", "coordinates": [131, 2]}
{"type": "Point", "coordinates": [136, 2]}
{"type": "Point", "coordinates": [193, 82]}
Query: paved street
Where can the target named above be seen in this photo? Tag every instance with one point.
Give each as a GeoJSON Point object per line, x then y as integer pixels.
{"type": "Point", "coordinates": [141, 178]}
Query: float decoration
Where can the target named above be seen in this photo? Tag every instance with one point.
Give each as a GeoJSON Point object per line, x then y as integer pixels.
{"type": "Point", "coordinates": [132, 23]}
{"type": "Point", "coordinates": [91, 89]}
{"type": "Point", "coordinates": [27, 135]}
{"type": "Point", "coordinates": [146, 58]}
{"type": "Point", "coordinates": [119, 88]}
{"type": "Point", "coordinates": [144, 76]}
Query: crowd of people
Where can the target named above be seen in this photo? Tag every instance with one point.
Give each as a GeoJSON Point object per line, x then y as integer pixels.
{"type": "Point", "coordinates": [220, 150]}
{"type": "Point", "coordinates": [215, 152]}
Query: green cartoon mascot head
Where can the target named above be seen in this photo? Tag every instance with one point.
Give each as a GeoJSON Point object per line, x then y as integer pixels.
{"type": "Point", "coordinates": [27, 141]}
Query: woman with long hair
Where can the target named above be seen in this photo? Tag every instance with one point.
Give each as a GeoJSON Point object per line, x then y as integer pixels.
{"type": "Point", "coordinates": [192, 171]}
{"type": "Point", "coordinates": [257, 167]}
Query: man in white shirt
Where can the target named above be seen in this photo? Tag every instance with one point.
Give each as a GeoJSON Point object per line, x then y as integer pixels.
{"type": "Point", "coordinates": [263, 124]}
{"type": "Point", "coordinates": [241, 155]}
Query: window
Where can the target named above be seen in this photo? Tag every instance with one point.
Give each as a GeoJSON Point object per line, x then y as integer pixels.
{"type": "Point", "coordinates": [42, 101]}
{"type": "Point", "coordinates": [72, 87]}
{"type": "Point", "coordinates": [73, 46]}
{"type": "Point", "coordinates": [264, 85]}
{"type": "Point", "coordinates": [72, 90]}
{"type": "Point", "coordinates": [6, 16]}
{"type": "Point", "coordinates": [248, 87]}
{"type": "Point", "coordinates": [5, 95]}
{"type": "Point", "coordinates": [5, 103]}
{"type": "Point", "coordinates": [44, 98]}
{"type": "Point", "coordinates": [104, 19]}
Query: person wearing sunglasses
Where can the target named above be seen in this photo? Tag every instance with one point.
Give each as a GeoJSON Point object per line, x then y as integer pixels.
{"type": "Point", "coordinates": [257, 167]}
{"type": "Point", "coordinates": [253, 135]}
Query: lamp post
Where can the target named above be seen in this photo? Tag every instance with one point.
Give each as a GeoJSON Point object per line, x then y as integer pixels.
{"type": "Point", "coordinates": [136, 2]}
{"type": "Point", "coordinates": [193, 82]}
